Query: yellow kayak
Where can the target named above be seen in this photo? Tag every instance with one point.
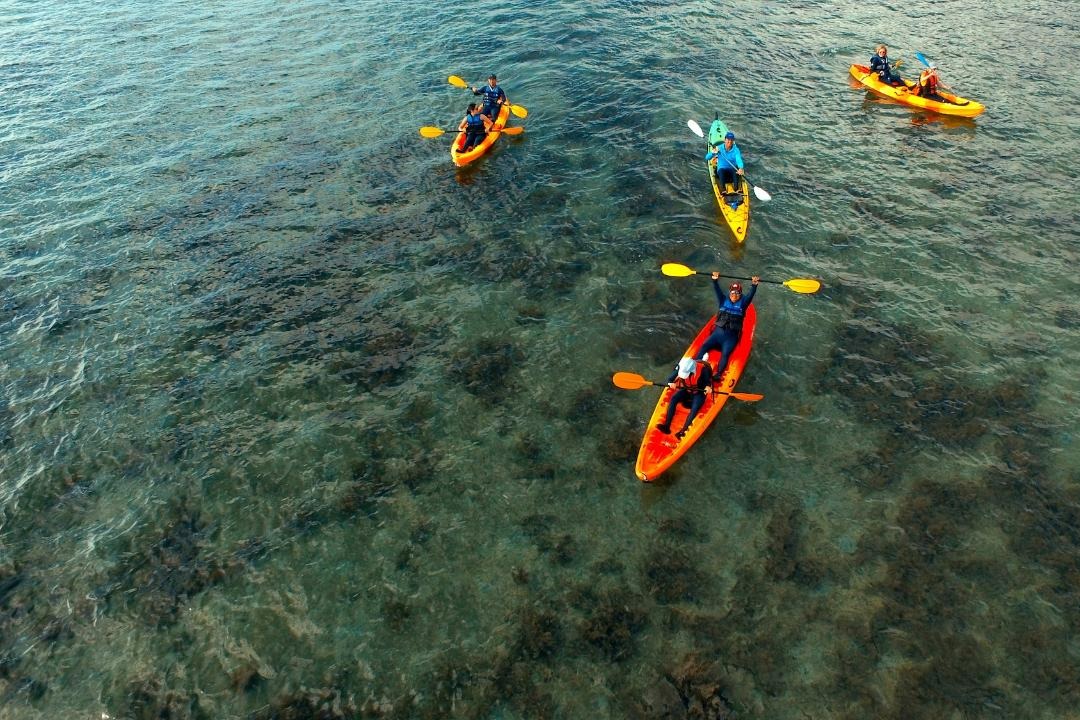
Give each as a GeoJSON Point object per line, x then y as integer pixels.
{"type": "Point", "coordinates": [953, 105]}
{"type": "Point", "coordinates": [464, 158]}
{"type": "Point", "coordinates": [734, 203]}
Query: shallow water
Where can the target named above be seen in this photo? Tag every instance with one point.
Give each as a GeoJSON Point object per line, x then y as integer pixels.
{"type": "Point", "coordinates": [295, 414]}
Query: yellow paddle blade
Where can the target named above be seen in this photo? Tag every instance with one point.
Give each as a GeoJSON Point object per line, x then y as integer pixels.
{"type": "Point", "coordinates": [519, 111]}
{"type": "Point", "coordinates": [513, 130]}
{"type": "Point", "coordinates": [803, 285]}
{"type": "Point", "coordinates": [676, 270]}
{"type": "Point", "coordinates": [457, 82]}
{"type": "Point", "coordinates": [431, 132]}
{"type": "Point", "coordinates": [629, 381]}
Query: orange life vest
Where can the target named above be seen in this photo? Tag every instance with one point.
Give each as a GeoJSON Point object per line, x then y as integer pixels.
{"type": "Point", "coordinates": [692, 381]}
{"type": "Point", "coordinates": [928, 81]}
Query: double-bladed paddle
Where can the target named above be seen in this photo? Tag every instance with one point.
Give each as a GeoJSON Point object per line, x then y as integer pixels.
{"type": "Point", "coordinates": [633, 381]}
{"type": "Point", "coordinates": [429, 131]}
{"type": "Point", "coordinates": [457, 82]}
{"type": "Point", "coordinates": [805, 286]}
{"type": "Point", "coordinates": [758, 192]}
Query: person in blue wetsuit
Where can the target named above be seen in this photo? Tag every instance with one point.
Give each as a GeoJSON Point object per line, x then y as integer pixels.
{"type": "Point", "coordinates": [729, 320]}
{"type": "Point", "coordinates": [880, 64]}
{"type": "Point", "coordinates": [475, 126]}
{"type": "Point", "coordinates": [493, 98]}
{"type": "Point", "coordinates": [692, 383]}
{"type": "Point", "coordinates": [728, 161]}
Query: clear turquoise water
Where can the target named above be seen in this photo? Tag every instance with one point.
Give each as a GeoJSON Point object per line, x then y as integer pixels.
{"type": "Point", "coordinates": [296, 415]}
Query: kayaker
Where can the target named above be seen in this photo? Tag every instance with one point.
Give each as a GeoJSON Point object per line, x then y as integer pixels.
{"type": "Point", "coordinates": [729, 161]}
{"type": "Point", "coordinates": [475, 126]}
{"type": "Point", "coordinates": [928, 85]}
{"type": "Point", "coordinates": [879, 63]}
{"type": "Point", "coordinates": [493, 98]}
{"type": "Point", "coordinates": [729, 320]}
{"type": "Point", "coordinates": [692, 383]}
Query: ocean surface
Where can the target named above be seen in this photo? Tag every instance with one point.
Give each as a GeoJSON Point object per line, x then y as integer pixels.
{"type": "Point", "coordinates": [298, 420]}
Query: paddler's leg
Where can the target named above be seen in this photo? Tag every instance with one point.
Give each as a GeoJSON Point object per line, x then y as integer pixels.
{"type": "Point", "coordinates": [695, 406]}
{"type": "Point", "coordinates": [727, 177]}
{"type": "Point", "coordinates": [727, 346]}
{"type": "Point", "coordinates": [679, 398]}
{"type": "Point", "coordinates": [713, 342]}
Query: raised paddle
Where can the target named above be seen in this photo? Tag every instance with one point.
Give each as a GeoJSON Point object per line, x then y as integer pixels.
{"type": "Point", "coordinates": [518, 110]}
{"type": "Point", "coordinates": [633, 381]}
{"type": "Point", "coordinates": [433, 132]}
{"type": "Point", "coordinates": [805, 286]}
{"type": "Point", "coordinates": [930, 66]}
{"type": "Point", "coordinates": [758, 192]}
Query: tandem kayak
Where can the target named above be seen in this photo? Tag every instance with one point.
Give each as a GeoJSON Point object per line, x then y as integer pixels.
{"type": "Point", "coordinates": [461, 158]}
{"type": "Point", "coordinates": [659, 451]}
{"type": "Point", "coordinates": [953, 105]}
{"type": "Point", "coordinates": [734, 203]}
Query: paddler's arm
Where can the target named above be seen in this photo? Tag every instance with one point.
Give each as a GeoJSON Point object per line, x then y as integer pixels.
{"type": "Point", "coordinates": [717, 290]}
{"type": "Point", "coordinates": [753, 289]}
{"type": "Point", "coordinates": [671, 379]}
{"type": "Point", "coordinates": [706, 380]}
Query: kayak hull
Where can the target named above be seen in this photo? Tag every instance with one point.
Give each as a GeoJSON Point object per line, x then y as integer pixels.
{"type": "Point", "coordinates": [956, 105]}
{"type": "Point", "coordinates": [461, 159]}
{"type": "Point", "coordinates": [734, 202]}
{"type": "Point", "coordinates": [659, 451]}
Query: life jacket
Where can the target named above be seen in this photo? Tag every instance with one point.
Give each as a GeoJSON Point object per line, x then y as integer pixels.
{"type": "Point", "coordinates": [880, 65]}
{"type": "Point", "coordinates": [691, 382]}
{"type": "Point", "coordinates": [928, 81]}
{"type": "Point", "coordinates": [474, 123]}
{"type": "Point", "coordinates": [730, 315]}
{"type": "Point", "coordinates": [491, 95]}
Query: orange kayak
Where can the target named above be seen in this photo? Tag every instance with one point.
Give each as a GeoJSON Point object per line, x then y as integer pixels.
{"type": "Point", "coordinates": [461, 158]}
{"type": "Point", "coordinates": [659, 451]}
{"type": "Point", "coordinates": [954, 105]}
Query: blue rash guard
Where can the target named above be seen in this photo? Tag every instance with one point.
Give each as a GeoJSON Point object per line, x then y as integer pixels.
{"type": "Point", "coordinates": [730, 159]}
{"type": "Point", "coordinates": [726, 163]}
